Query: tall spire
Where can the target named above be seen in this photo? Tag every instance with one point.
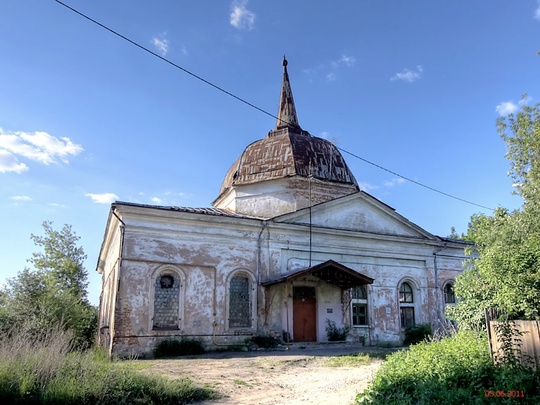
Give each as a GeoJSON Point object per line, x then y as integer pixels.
{"type": "Point", "coordinates": [287, 112]}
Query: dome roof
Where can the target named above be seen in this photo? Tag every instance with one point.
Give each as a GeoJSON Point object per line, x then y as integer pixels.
{"type": "Point", "coordinates": [288, 151]}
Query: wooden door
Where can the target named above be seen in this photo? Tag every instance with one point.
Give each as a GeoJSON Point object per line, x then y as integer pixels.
{"type": "Point", "coordinates": [304, 314]}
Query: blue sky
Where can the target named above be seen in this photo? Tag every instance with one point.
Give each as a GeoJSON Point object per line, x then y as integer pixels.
{"type": "Point", "coordinates": [414, 86]}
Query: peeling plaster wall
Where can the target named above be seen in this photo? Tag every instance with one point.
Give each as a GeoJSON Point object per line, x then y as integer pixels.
{"type": "Point", "coordinates": [277, 197]}
{"type": "Point", "coordinates": [388, 260]}
{"type": "Point", "coordinates": [206, 251]}
{"type": "Point", "coordinates": [203, 256]}
{"type": "Point", "coordinates": [108, 266]}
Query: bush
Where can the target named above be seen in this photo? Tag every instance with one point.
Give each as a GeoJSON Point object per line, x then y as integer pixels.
{"type": "Point", "coordinates": [454, 370]}
{"type": "Point", "coordinates": [178, 347]}
{"type": "Point", "coordinates": [417, 333]}
{"type": "Point", "coordinates": [266, 342]}
{"type": "Point", "coordinates": [334, 333]}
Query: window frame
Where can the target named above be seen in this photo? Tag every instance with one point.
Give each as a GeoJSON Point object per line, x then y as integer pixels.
{"type": "Point", "coordinates": [407, 304]}
{"type": "Point", "coordinates": [359, 301]}
{"type": "Point", "coordinates": [449, 285]}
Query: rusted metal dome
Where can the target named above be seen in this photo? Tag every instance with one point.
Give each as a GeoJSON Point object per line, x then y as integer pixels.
{"type": "Point", "coordinates": [288, 151]}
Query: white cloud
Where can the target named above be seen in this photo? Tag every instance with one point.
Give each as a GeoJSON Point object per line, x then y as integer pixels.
{"type": "Point", "coordinates": [347, 60]}
{"type": "Point", "coordinates": [156, 200]}
{"type": "Point", "coordinates": [409, 75]}
{"type": "Point", "coordinates": [331, 77]}
{"type": "Point", "coordinates": [506, 107]}
{"type": "Point", "coordinates": [537, 12]}
{"type": "Point", "coordinates": [367, 186]}
{"type": "Point", "coordinates": [39, 146]}
{"type": "Point", "coordinates": [161, 44]}
{"type": "Point", "coordinates": [58, 205]}
{"type": "Point", "coordinates": [241, 17]}
{"type": "Point", "coordinates": [394, 182]}
{"type": "Point", "coordinates": [10, 163]}
{"type": "Point", "coordinates": [21, 198]}
{"type": "Point", "coordinates": [105, 198]}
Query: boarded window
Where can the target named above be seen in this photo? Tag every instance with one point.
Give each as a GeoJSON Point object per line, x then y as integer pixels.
{"type": "Point", "coordinates": [239, 302]}
{"type": "Point", "coordinates": [166, 301]}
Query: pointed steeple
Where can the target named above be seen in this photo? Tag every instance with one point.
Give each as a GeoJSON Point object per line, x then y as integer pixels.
{"type": "Point", "coordinates": [287, 112]}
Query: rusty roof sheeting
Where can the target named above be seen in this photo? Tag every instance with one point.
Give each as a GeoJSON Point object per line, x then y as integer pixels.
{"type": "Point", "coordinates": [288, 152]}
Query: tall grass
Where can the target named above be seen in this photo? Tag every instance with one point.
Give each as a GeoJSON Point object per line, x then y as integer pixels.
{"type": "Point", "coordinates": [44, 370]}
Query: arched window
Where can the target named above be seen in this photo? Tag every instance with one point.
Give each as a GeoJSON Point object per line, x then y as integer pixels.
{"type": "Point", "coordinates": [406, 305]}
{"type": "Point", "coordinates": [406, 293]}
{"type": "Point", "coordinates": [240, 302]}
{"type": "Point", "coordinates": [359, 306]}
{"type": "Point", "coordinates": [166, 301]}
{"type": "Point", "coordinates": [449, 296]}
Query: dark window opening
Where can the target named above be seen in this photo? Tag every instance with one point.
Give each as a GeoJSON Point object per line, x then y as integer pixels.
{"type": "Point", "coordinates": [449, 296]}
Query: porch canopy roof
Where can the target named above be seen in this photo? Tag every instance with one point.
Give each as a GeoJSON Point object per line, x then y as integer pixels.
{"type": "Point", "coordinates": [330, 271]}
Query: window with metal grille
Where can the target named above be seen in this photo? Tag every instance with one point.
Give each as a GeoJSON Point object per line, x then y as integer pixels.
{"type": "Point", "coordinates": [166, 302]}
{"type": "Point", "coordinates": [239, 302]}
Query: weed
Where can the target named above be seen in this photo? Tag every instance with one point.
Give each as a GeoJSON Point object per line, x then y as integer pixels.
{"type": "Point", "coordinates": [358, 359]}
{"type": "Point", "coordinates": [178, 347]}
{"type": "Point", "coordinates": [417, 333]}
{"type": "Point", "coordinates": [334, 333]}
{"type": "Point", "coordinates": [240, 382]}
{"type": "Point", "coordinates": [266, 342]}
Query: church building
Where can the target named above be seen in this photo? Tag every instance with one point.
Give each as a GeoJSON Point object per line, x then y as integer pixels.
{"type": "Point", "coordinates": [290, 246]}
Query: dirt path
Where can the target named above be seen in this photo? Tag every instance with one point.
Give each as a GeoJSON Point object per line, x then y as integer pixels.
{"type": "Point", "coordinates": [293, 377]}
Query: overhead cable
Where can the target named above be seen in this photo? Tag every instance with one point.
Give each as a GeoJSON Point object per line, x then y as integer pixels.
{"type": "Point", "coordinates": [253, 105]}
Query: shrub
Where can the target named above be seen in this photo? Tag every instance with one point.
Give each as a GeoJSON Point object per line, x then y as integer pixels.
{"type": "Point", "coordinates": [266, 342]}
{"type": "Point", "coordinates": [454, 370]}
{"type": "Point", "coordinates": [178, 347]}
{"type": "Point", "coordinates": [417, 333]}
{"type": "Point", "coordinates": [334, 333]}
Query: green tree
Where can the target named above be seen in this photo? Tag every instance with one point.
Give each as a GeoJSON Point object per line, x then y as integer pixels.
{"type": "Point", "coordinates": [53, 292]}
{"type": "Point", "coordinates": [504, 269]}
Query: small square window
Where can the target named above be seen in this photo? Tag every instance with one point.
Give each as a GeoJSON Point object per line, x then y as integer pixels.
{"type": "Point", "coordinates": [407, 316]}
{"type": "Point", "coordinates": [359, 314]}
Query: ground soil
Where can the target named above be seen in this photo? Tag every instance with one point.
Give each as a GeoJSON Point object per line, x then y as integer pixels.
{"type": "Point", "coordinates": [297, 376]}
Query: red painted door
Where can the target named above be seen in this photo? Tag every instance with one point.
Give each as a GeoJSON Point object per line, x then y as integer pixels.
{"type": "Point", "coordinates": [304, 314]}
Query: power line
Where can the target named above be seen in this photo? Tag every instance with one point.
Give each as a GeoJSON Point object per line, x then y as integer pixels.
{"type": "Point", "coordinates": [413, 181]}
{"type": "Point", "coordinates": [254, 106]}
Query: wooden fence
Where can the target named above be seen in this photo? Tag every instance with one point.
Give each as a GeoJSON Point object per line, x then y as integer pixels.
{"type": "Point", "coordinates": [526, 342]}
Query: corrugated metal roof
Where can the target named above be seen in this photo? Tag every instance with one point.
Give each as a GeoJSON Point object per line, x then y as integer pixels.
{"type": "Point", "coordinates": [191, 210]}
